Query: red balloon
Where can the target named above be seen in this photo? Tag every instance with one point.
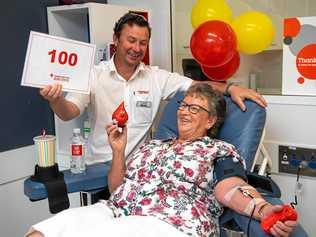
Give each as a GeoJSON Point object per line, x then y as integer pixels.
{"type": "Point", "coordinates": [222, 73]}
{"type": "Point", "coordinates": [213, 43]}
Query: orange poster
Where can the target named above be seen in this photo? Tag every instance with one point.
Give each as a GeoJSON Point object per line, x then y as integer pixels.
{"type": "Point", "coordinates": [299, 56]}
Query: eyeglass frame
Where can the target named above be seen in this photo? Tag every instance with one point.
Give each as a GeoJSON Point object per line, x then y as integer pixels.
{"type": "Point", "coordinates": [189, 106]}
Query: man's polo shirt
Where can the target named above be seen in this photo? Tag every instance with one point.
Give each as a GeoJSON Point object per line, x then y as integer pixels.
{"type": "Point", "coordinates": [141, 94]}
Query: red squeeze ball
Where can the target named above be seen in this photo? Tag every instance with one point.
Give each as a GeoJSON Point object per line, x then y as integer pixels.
{"type": "Point", "coordinates": [120, 115]}
{"type": "Point", "coordinates": [287, 213]}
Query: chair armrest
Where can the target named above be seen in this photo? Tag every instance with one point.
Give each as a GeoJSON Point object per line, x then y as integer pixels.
{"type": "Point", "coordinates": [264, 185]}
{"type": "Point", "coordinates": [95, 177]}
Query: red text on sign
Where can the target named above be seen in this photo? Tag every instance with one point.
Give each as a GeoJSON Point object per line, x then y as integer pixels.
{"type": "Point", "coordinates": [63, 57]}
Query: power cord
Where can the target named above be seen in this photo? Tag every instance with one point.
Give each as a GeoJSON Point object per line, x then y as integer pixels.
{"type": "Point", "coordinates": [298, 187]}
{"type": "Point", "coordinates": [250, 219]}
{"type": "Point", "coordinates": [246, 193]}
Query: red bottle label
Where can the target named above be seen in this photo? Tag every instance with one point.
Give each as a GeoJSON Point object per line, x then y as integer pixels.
{"type": "Point", "coordinates": [76, 150]}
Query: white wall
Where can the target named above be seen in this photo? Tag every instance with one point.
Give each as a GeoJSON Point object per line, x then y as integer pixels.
{"type": "Point", "coordinates": [291, 121]}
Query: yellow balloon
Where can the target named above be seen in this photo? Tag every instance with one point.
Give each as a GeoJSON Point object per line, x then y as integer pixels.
{"type": "Point", "coordinates": [207, 10]}
{"type": "Point", "coordinates": [254, 31]}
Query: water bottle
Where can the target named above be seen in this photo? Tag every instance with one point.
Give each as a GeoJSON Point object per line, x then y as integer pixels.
{"type": "Point", "coordinates": [77, 163]}
{"type": "Point", "coordinates": [86, 129]}
{"type": "Point", "coordinates": [86, 134]}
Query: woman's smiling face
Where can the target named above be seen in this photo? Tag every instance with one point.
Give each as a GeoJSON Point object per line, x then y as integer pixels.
{"type": "Point", "coordinates": [193, 117]}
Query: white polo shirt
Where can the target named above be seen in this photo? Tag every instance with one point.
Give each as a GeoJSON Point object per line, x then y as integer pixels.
{"type": "Point", "coordinates": [141, 94]}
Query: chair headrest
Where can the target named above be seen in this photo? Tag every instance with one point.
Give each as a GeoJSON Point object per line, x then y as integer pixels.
{"type": "Point", "coordinates": [242, 129]}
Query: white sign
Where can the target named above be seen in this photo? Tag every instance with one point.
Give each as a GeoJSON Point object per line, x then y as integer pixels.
{"type": "Point", "coordinates": [50, 59]}
{"type": "Point", "coordinates": [299, 56]}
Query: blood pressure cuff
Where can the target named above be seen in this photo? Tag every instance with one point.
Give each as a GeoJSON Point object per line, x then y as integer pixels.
{"type": "Point", "coordinates": [226, 167]}
{"type": "Point", "coordinates": [54, 183]}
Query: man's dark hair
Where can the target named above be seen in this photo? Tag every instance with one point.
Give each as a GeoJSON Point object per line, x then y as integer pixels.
{"type": "Point", "coordinates": [131, 19]}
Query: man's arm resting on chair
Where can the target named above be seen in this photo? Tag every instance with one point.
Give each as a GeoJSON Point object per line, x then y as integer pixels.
{"type": "Point", "coordinates": [235, 193]}
{"type": "Point", "coordinates": [237, 93]}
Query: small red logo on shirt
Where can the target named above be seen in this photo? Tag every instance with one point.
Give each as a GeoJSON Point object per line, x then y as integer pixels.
{"type": "Point", "coordinates": [143, 92]}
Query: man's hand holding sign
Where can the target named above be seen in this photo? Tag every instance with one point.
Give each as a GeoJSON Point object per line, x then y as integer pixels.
{"type": "Point", "coordinates": [54, 60]}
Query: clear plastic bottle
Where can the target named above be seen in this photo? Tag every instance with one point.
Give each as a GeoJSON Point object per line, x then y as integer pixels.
{"type": "Point", "coordinates": [77, 163]}
{"type": "Point", "coordinates": [86, 129]}
{"type": "Point", "coordinates": [86, 134]}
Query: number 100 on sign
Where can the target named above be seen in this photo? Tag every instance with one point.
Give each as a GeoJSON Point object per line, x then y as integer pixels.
{"type": "Point", "coordinates": [63, 57]}
{"type": "Point", "coordinates": [51, 59]}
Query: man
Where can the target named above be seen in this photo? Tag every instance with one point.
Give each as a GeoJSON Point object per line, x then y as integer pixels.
{"type": "Point", "coordinates": [126, 78]}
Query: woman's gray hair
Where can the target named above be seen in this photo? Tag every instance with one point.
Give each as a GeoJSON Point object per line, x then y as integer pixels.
{"type": "Point", "coordinates": [216, 104]}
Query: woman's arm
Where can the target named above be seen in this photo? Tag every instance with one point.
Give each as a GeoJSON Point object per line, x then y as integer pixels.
{"type": "Point", "coordinates": [228, 193]}
{"type": "Point", "coordinates": [117, 142]}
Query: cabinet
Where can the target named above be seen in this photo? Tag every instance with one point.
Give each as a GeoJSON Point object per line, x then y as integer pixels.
{"type": "Point", "coordinates": [91, 23]}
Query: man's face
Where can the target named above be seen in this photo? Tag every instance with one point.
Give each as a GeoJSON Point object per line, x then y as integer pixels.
{"type": "Point", "coordinates": [132, 44]}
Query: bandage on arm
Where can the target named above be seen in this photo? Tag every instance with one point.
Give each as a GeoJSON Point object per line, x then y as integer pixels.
{"type": "Point", "coordinates": [235, 193]}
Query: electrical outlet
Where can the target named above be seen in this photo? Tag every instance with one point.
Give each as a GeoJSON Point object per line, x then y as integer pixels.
{"type": "Point", "coordinates": [292, 157]}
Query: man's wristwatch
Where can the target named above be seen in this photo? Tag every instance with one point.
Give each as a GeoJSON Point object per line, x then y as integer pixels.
{"type": "Point", "coordinates": [229, 84]}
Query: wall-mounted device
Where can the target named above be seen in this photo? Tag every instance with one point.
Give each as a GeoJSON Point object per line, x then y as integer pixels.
{"type": "Point", "coordinates": [292, 157]}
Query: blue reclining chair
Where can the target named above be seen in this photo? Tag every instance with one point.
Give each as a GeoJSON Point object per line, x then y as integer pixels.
{"type": "Point", "coordinates": [243, 130]}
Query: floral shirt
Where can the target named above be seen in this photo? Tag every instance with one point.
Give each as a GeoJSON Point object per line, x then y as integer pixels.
{"type": "Point", "coordinates": [175, 183]}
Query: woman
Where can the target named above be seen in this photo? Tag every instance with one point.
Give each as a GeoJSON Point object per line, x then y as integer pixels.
{"type": "Point", "coordinates": [174, 187]}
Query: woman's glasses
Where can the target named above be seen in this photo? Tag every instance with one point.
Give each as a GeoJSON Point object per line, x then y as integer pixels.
{"type": "Point", "coordinates": [193, 108]}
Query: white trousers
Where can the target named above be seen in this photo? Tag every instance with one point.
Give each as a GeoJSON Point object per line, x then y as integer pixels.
{"type": "Point", "coordinates": [97, 220]}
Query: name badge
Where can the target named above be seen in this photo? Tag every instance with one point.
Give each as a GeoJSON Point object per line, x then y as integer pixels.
{"type": "Point", "coordinates": [143, 104]}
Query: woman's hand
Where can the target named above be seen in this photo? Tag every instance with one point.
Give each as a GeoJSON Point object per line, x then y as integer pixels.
{"type": "Point", "coordinates": [279, 229]}
{"type": "Point", "coordinates": [117, 141]}
{"type": "Point", "coordinates": [239, 94]}
{"type": "Point", "coordinates": [117, 138]}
